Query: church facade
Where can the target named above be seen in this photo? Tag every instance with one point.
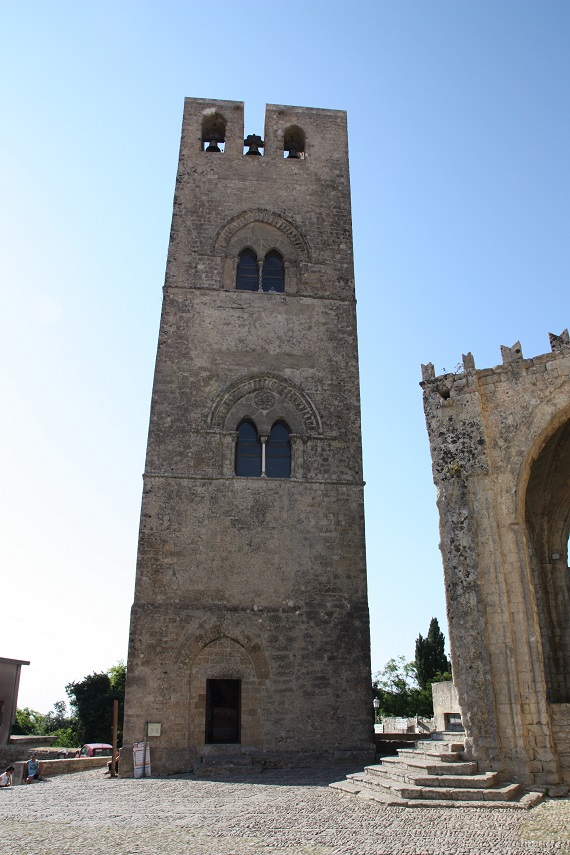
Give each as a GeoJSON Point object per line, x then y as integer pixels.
{"type": "Point", "coordinates": [249, 634]}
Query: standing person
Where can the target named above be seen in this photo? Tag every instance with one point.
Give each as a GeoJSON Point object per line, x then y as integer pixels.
{"type": "Point", "coordinates": [34, 770]}
{"type": "Point", "coordinates": [6, 777]}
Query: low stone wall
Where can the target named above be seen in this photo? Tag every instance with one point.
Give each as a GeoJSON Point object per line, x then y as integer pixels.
{"type": "Point", "coordinates": [17, 756]}
{"type": "Point", "coordinates": [59, 767]}
{"type": "Point", "coordinates": [31, 742]}
{"type": "Point", "coordinates": [417, 725]}
{"type": "Point", "coordinates": [73, 764]}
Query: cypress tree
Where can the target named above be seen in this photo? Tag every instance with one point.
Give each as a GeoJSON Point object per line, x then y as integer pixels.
{"type": "Point", "coordinates": [430, 655]}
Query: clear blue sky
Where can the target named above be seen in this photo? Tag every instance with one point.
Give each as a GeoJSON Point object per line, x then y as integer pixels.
{"type": "Point", "coordinates": [459, 141]}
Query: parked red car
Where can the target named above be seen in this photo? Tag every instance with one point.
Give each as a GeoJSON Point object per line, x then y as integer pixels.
{"type": "Point", "coordinates": [96, 749]}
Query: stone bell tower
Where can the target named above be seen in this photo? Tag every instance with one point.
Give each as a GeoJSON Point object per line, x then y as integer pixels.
{"type": "Point", "coordinates": [249, 633]}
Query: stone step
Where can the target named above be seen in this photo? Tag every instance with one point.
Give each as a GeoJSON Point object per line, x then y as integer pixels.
{"type": "Point", "coordinates": [406, 791]}
{"type": "Point", "coordinates": [438, 756]}
{"type": "Point", "coordinates": [431, 766]}
{"type": "Point", "coordinates": [388, 797]}
{"type": "Point", "coordinates": [447, 736]}
{"type": "Point", "coordinates": [434, 745]}
{"type": "Point", "coordinates": [403, 773]}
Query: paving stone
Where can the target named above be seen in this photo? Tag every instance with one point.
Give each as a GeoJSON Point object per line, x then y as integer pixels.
{"type": "Point", "coordinates": [291, 812]}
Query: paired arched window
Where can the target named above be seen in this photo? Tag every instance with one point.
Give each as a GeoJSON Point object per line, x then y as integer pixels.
{"type": "Point", "coordinates": [247, 278]}
{"type": "Point", "coordinates": [272, 275]}
{"type": "Point", "coordinates": [278, 452]}
{"type": "Point", "coordinates": [268, 456]}
{"type": "Point", "coordinates": [272, 272]}
{"type": "Point", "coordinates": [248, 450]}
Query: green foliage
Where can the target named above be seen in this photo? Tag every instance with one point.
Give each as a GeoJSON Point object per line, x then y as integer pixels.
{"type": "Point", "coordinates": [397, 690]}
{"type": "Point", "coordinates": [92, 699]}
{"type": "Point", "coordinates": [91, 719]}
{"type": "Point", "coordinates": [56, 722]}
{"type": "Point", "coordinates": [117, 679]}
{"type": "Point", "coordinates": [430, 658]}
{"type": "Point", "coordinates": [28, 722]}
{"type": "Point", "coordinates": [66, 737]}
{"type": "Point", "coordinates": [404, 688]}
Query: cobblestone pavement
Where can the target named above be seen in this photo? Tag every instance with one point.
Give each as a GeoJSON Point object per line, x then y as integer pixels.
{"type": "Point", "coordinates": [289, 812]}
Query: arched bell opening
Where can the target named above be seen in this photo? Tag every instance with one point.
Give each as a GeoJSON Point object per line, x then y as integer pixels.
{"type": "Point", "coordinates": [213, 132]}
{"type": "Point", "coordinates": [547, 511]}
{"type": "Point", "coordinates": [294, 140]}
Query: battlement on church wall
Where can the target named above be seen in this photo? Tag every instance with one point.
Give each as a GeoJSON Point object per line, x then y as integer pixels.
{"type": "Point", "coordinates": [473, 410]}
{"type": "Point", "coordinates": [558, 344]}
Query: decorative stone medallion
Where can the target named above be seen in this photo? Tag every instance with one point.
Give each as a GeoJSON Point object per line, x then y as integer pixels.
{"type": "Point", "coordinates": [264, 400]}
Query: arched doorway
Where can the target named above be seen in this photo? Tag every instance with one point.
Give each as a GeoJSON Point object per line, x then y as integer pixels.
{"type": "Point", "coordinates": [547, 511]}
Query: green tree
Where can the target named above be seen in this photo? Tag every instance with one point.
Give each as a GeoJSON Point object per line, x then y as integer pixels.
{"type": "Point", "coordinates": [62, 728]}
{"type": "Point", "coordinates": [398, 692]}
{"type": "Point", "coordinates": [92, 699]}
{"type": "Point", "coordinates": [29, 722]}
{"type": "Point", "coordinates": [56, 724]}
{"type": "Point", "coordinates": [431, 661]}
{"type": "Point", "coordinates": [117, 680]}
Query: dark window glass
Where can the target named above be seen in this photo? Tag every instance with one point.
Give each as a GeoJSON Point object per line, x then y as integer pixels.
{"type": "Point", "coordinates": [247, 278]}
{"type": "Point", "coordinates": [223, 710]}
{"type": "Point", "coordinates": [278, 452]}
{"type": "Point", "coordinates": [273, 275]}
{"type": "Point", "coordinates": [248, 451]}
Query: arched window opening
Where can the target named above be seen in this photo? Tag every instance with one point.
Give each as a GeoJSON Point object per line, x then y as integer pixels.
{"type": "Point", "coordinates": [247, 278]}
{"type": "Point", "coordinates": [278, 452]}
{"type": "Point", "coordinates": [273, 274]}
{"type": "Point", "coordinates": [248, 450]}
{"type": "Point", "coordinates": [213, 132]}
{"type": "Point", "coordinates": [294, 142]}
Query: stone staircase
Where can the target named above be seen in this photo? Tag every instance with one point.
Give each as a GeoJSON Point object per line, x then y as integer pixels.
{"type": "Point", "coordinates": [435, 774]}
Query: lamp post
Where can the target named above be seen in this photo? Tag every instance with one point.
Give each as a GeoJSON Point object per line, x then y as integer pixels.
{"type": "Point", "coordinates": [376, 704]}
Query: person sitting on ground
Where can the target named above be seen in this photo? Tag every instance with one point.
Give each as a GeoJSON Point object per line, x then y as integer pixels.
{"type": "Point", "coordinates": [34, 770]}
{"type": "Point", "coordinates": [116, 765]}
{"type": "Point", "coordinates": [6, 777]}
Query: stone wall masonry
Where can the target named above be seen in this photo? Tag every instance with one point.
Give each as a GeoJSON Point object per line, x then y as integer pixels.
{"type": "Point", "coordinates": [445, 700]}
{"type": "Point", "coordinates": [499, 440]}
{"type": "Point", "coordinates": [261, 580]}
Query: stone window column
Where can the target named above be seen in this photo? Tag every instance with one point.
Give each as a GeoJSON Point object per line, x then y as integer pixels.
{"type": "Point", "coordinates": [229, 440]}
{"type": "Point", "coordinates": [230, 272]}
{"type": "Point", "coordinates": [263, 440]}
{"type": "Point", "coordinates": [297, 455]}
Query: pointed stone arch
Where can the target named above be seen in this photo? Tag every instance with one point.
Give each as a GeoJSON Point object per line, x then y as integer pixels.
{"type": "Point", "coordinates": [217, 656]}
{"type": "Point", "coordinates": [546, 492]}
{"type": "Point", "coordinates": [286, 227]}
{"type": "Point", "coordinates": [265, 398]}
